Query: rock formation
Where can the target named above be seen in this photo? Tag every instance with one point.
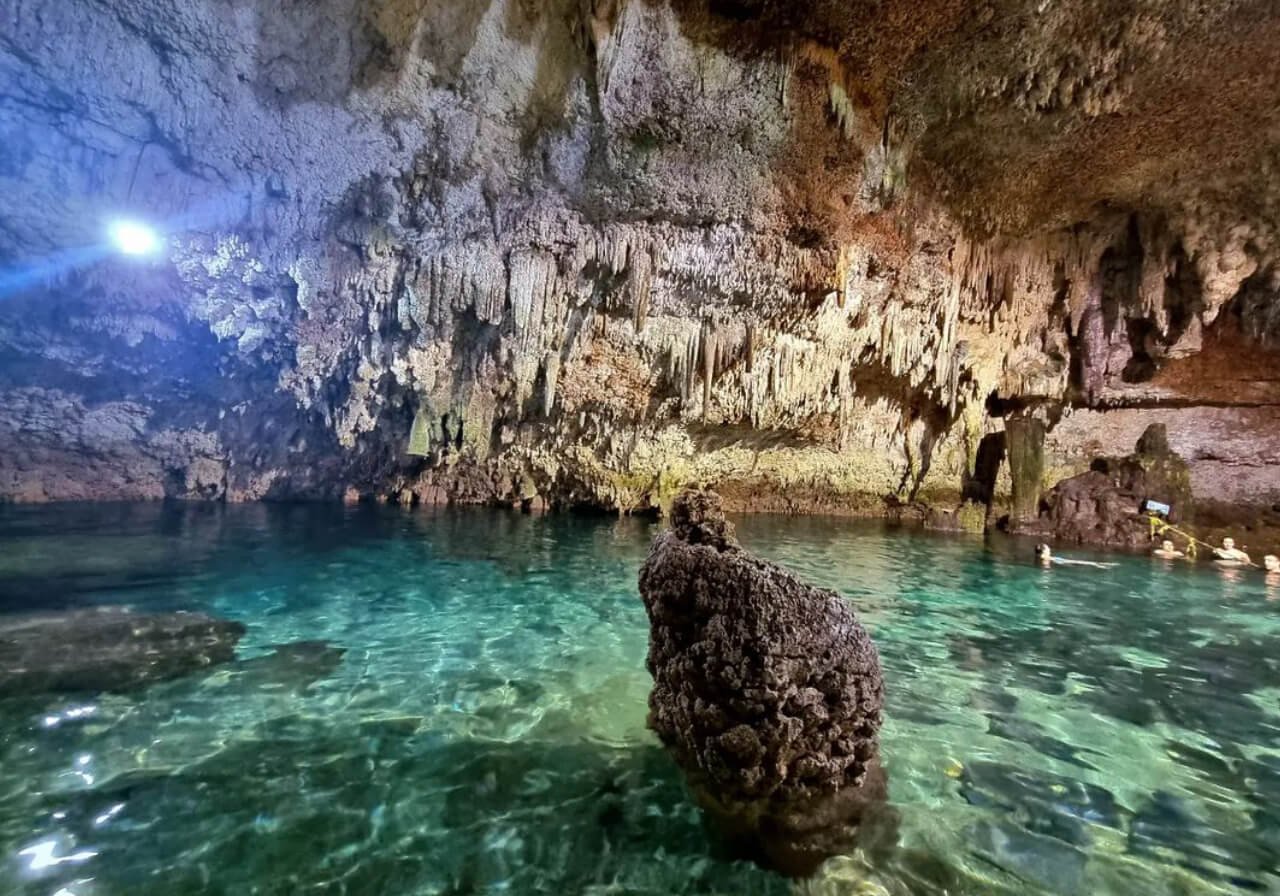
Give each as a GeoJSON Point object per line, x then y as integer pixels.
{"type": "Point", "coordinates": [107, 649]}
{"type": "Point", "coordinates": [1104, 505]}
{"type": "Point", "coordinates": [585, 252]}
{"type": "Point", "coordinates": [766, 691]}
{"type": "Point", "coordinates": [294, 666]}
{"type": "Point", "coordinates": [1024, 440]}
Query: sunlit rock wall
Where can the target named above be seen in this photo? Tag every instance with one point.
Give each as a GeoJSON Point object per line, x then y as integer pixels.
{"type": "Point", "coordinates": [585, 253]}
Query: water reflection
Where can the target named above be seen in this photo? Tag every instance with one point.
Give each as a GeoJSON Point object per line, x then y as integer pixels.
{"type": "Point", "coordinates": [797, 840]}
{"type": "Point", "coordinates": [462, 710]}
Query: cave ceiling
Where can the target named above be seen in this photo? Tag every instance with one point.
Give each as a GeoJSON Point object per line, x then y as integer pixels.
{"type": "Point", "coordinates": [599, 237]}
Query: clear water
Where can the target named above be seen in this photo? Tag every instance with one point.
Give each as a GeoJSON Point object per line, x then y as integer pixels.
{"type": "Point", "coordinates": [1062, 731]}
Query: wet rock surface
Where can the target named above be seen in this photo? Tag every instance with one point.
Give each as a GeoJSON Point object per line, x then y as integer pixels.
{"type": "Point", "coordinates": [108, 649]}
{"type": "Point", "coordinates": [1104, 506]}
{"type": "Point", "coordinates": [289, 667]}
{"type": "Point", "coordinates": [767, 692]}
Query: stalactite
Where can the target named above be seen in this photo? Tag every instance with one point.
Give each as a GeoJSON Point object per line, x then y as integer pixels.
{"type": "Point", "coordinates": [786, 71]}
{"type": "Point", "coordinates": [420, 433]}
{"type": "Point", "coordinates": [710, 349]}
{"type": "Point", "coordinates": [690, 365]}
{"type": "Point", "coordinates": [640, 285]}
{"type": "Point", "coordinates": [471, 276]}
{"type": "Point", "coordinates": [551, 370]}
{"type": "Point", "coordinates": [607, 44]}
{"type": "Point", "coordinates": [538, 308]}
{"type": "Point", "coordinates": [842, 108]}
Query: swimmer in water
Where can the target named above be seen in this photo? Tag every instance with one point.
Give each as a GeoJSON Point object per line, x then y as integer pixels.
{"type": "Point", "coordinates": [1045, 557]}
{"type": "Point", "coordinates": [1229, 555]}
{"type": "Point", "coordinates": [1271, 576]}
{"type": "Point", "coordinates": [1167, 551]}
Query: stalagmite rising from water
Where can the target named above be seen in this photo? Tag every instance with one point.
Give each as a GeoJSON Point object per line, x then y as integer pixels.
{"type": "Point", "coordinates": [766, 691]}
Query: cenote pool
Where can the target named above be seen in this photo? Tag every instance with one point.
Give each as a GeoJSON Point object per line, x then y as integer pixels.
{"type": "Point", "coordinates": [1064, 731]}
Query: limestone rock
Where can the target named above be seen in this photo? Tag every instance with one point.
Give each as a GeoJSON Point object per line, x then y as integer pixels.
{"type": "Point", "coordinates": [293, 666]}
{"type": "Point", "coordinates": [767, 691]}
{"type": "Point", "coordinates": [108, 649]}
{"type": "Point", "coordinates": [1104, 505]}
{"type": "Point", "coordinates": [1025, 440]}
{"type": "Point", "coordinates": [598, 251]}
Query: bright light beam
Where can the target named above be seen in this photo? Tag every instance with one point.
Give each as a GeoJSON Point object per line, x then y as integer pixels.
{"type": "Point", "coordinates": [133, 238]}
{"type": "Point", "coordinates": [211, 215]}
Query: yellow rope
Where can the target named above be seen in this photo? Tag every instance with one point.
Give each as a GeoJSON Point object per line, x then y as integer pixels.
{"type": "Point", "coordinates": [1160, 527]}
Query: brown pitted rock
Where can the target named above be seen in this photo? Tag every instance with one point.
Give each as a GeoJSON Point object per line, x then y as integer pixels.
{"type": "Point", "coordinates": [697, 517]}
{"type": "Point", "coordinates": [766, 691]}
{"type": "Point", "coordinates": [1092, 508]}
{"type": "Point", "coordinates": [108, 649]}
{"type": "Point", "coordinates": [1104, 505]}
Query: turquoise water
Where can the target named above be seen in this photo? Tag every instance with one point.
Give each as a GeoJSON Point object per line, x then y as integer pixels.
{"type": "Point", "coordinates": [1048, 731]}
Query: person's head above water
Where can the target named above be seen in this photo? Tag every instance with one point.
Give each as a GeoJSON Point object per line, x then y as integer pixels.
{"type": "Point", "coordinates": [1043, 552]}
{"type": "Point", "coordinates": [1166, 545]}
{"type": "Point", "coordinates": [1229, 543]}
{"type": "Point", "coordinates": [1271, 563]}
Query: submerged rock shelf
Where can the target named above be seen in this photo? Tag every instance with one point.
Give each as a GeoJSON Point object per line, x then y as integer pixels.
{"type": "Point", "coordinates": [107, 649]}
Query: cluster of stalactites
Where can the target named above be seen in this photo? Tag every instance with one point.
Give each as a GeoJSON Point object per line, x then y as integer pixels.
{"type": "Point", "coordinates": [1024, 295]}
{"type": "Point", "coordinates": [773, 360]}
{"type": "Point", "coordinates": [730, 320]}
{"type": "Point", "coordinates": [543, 294]}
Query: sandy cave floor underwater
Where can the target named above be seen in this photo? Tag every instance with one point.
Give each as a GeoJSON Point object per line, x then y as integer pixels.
{"type": "Point", "coordinates": [1048, 731]}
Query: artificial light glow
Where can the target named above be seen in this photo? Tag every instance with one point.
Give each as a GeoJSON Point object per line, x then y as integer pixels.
{"type": "Point", "coordinates": [134, 238]}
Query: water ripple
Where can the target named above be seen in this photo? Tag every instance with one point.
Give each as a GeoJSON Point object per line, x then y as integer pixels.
{"type": "Point", "coordinates": [463, 712]}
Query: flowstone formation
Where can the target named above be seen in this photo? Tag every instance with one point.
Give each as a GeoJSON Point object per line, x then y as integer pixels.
{"type": "Point", "coordinates": [766, 691]}
{"type": "Point", "coordinates": [585, 253]}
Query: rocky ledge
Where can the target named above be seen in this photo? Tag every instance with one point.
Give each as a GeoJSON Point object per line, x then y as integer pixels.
{"type": "Point", "coordinates": [1105, 505]}
{"type": "Point", "coordinates": [766, 692]}
{"type": "Point", "coordinates": [108, 649]}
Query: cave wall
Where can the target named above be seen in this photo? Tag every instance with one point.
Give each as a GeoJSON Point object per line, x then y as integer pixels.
{"type": "Point", "coordinates": [585, 253]}
{"type": "Point", "coordinates": [1232, 452]}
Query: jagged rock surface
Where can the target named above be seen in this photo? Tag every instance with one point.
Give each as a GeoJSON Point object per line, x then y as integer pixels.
{"type": "Point", "coordinates": [1104, 505]}
{"type": "Point", "coordinates": [108, 649]}
{"type": "Point", "coordinates": [598, 250]}
{"type": "Point", "coordinates": [766, 691]}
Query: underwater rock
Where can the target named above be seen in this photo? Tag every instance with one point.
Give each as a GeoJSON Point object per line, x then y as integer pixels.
{"type": "Point", "coordinates": [1044, 861]}
{"type": "Point", "coordinates": [1045, 804]}
{"type": "Point", "coordinates": [108, 649]}
{"type": "Point", "coordinates": [1104, 505]}
{"type": "Point", "coordinates": [293, 666]}
{"type": "Point", "coordinates": [1012, 727]}
{"type": "Point", "coordinates": [1168, 827]}
{"type": "Point", "coordinates": [766, 691]}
